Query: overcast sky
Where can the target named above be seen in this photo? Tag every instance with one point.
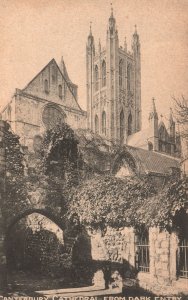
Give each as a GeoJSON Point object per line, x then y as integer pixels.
{"type": "Point", "coordinates": [33, 32]}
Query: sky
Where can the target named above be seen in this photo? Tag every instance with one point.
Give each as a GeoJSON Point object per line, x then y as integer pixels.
{"type": "Point", "coordinates": [33, 32]}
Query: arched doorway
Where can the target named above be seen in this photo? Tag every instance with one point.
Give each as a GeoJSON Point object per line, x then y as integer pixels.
{"type": "Point", "coordinates": [44, 253]}
{"type": "Point", "coordinates": [34, 248]}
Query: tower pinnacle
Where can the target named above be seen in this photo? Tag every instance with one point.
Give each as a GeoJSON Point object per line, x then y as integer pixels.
{"type": "Point", "coordinates": [112, 21]}
{"type": "Point", "coordinates": [90, 37]}
{"type": "Point", "coordinates": [90, 29]}
{"type": "Point", "coordinates": [153, 111]}
{"type": "Point", "coordinates": [111, 10]}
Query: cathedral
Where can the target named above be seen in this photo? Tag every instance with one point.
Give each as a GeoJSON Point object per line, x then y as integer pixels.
{"type": "Point", "coordinates": [48, 99]}
{"type": "Point", "coordinates": [113, 83]}
{"type": "Point", "coordinates": [113, 86]}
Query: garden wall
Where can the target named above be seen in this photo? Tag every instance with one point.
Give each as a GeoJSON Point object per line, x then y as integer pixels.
{"type": "Point", "coordinates": [118, 246]}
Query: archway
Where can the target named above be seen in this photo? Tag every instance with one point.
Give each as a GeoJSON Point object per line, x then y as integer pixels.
{"type": "Point", "coordinates": [34, 248]}
{"type": "Point", "coordinates": [43, 252]}
{"type": "Point", "coordinates": [124, 165]}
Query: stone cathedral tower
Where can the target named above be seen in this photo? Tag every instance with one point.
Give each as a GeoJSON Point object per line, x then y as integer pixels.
{"type": "Point", "coordinates": [113, 86]}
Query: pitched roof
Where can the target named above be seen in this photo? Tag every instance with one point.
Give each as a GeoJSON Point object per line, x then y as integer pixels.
{"type": "Point", "coordinates": [53, 61]}
{"type": "Point", "coordinates": [146, 161]}
{"type": "Point", "coordinates": [153, 162]}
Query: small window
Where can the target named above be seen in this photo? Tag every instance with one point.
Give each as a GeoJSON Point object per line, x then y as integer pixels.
{"type": "Point", "coordinates": [142, 250]}
{"type": "Point", "coordinates": [60, 91]}
{"type": "Point", "coordinates": [54, 74]}
{"type": "Point", "coordinates": [46, 87]}
{"type": "Point", "coordinates": [150, 146]}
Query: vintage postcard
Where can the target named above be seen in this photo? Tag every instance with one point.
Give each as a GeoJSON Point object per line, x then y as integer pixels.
{"type": "Point", "coordinates": [94, 150]}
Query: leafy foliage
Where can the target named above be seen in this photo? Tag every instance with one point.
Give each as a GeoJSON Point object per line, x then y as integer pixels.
{"type": "Point", "coordinates": [60, 154]}
{"type": "Point", "coordinates": [163, 208]}
{"type": "Point", "coordinates": [181, 107]}
{"type": "Point", "coordinates": [16, 194]}
{"type": "Point", "coordinates": [57, 169]}
{"type": "Point", "coordinates": [110, 201]}
{"type": "Point", "coordinates": [107, 200]}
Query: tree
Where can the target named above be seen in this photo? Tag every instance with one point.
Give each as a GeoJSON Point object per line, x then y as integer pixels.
{"type": "Point", "coordinates": [181, 108]}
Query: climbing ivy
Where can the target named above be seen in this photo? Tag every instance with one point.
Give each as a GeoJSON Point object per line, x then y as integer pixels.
{"type": "Point", "coordinates": [15, 198]}
{"type": "Point", "coordinates": [107, 200]}
{"type": "Point", "coordinates": [60, 154]}
{"type": "Point", "coordinates": [162, 209]}
{"type": "Point", "coordinates": [111, 201]}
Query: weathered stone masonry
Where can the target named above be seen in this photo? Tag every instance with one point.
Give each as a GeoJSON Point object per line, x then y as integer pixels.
{"type": "Point", "coordinates": [119, 245]}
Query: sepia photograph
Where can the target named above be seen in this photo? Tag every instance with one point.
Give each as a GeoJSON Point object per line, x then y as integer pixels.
{"type": "Point", "coordinates": [94, 150]}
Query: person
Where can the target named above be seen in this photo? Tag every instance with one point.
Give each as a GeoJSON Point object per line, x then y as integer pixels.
{"type": "Point", "coordinates": [107, 275]}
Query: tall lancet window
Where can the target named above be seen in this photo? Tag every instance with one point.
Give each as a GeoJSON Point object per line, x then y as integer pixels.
{"type": "Point", "coordinates": [96, 78]}
{"type": "Point", "coordinates": [96, 124]}
{"type": "Point", "coordinates": [130, 124]}
{"type": "Point", "coordinates": [104, 122]}
{"type": "Point", "coordinates": [129, 77]}
{"type": "Point", "coordinates": [122, 126]}
{"type": "Point", "coordinates": [120, 73]}
{"type": "Point", "coordinates": [46, 87]}
{"type": "Point", "coordinates": [103, 73]}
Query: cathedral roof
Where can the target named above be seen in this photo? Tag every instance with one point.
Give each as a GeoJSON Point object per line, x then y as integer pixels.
{"type": "Point", "coordinates": [32, 88]}
{"type": "Point", "coordinates": [153, 162]}
{"type": "Point", "coordinates": [101, 155]}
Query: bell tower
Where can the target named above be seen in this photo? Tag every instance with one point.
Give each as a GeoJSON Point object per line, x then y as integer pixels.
{"type": "Point", "coordinates": [113, 85]}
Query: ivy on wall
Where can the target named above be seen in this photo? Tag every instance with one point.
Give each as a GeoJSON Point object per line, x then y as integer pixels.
{"type": "Point", "coordinates": [56, 183]}
{"type": "Point", "coordinates": [15, 198]}
{"type": "Point", "coordinates": [104, 201]}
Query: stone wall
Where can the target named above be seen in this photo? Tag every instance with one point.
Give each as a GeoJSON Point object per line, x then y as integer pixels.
{"type": "Point", "coordinates": [118, 246]}
{"type": "Point", "coordinates": [28, 117]}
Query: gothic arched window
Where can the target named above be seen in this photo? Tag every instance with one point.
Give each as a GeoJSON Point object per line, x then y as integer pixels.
{"type": "Point", "coordinates": [52, 116]}
{"type": "Point", "coordinates": [104, 122]}
{"type": "Point", "coordinates": [103, 73]}
{"type": "Point", "coordinates": [121, 73]}
{"type": "Point", "coordinates": [129, 77]}
{"type": "Point", "coordinates": [122, 126]}
{"type": "Point", "coordinates": [96, 124]}
{"type": "Point", "coordinates": [130, 124]}
{"type": "Point", "coordinates": [46, 87]}
{"type": "Point", "coordinates": [96, 78]}
{"type": "Point", "coordinates": [60, 91]}
{"type": "Point", "coordinates": [54, 74]}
